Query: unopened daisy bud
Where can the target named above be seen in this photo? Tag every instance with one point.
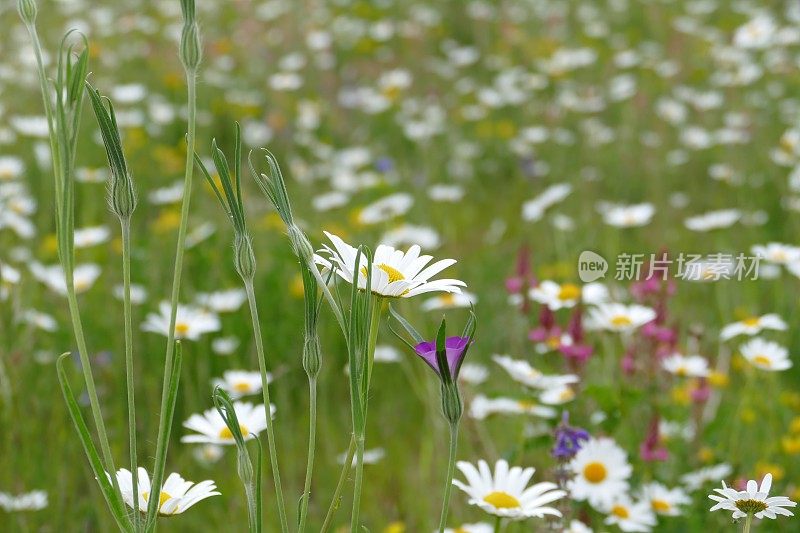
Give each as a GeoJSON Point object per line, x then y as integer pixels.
{"type": "Point", "coordinates": [312, 360]}
{"type": "Point", "coordinates": [244, 466]}
{"type": "Point", "coordinates": [191, 50]}
{"type": "Point", "coordinates": [300, 244]}
{"type": "Point", "coordinates": [27, 10]}
{"type": "Point", "coordinates": [243, 257]}
{"type": "Point", "coordinates": [452, 408]}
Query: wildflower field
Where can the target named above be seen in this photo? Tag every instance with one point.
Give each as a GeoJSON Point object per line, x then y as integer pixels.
{"type": "Point", "coordinates": [503, 266]}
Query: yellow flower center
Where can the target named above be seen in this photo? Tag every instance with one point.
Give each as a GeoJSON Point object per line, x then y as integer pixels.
{"type": "Point", "coordinates": [163, 497]}
{"type": "Point", "coordinates": [181, 329]}
{"type": "Point", "coordinates": [660, 506]}
{"type": "Point", "coordinates": [751, 322]}
{"type": "Point", "coordinates": [620, 511]}
{"type": "Point", "coordinates": [750, 506]}
{"type": "Point", "coordinates": [621, 320]}
{"type": "Point", "coordinates": [762, 360]}
{"type": "Point", "coordinates": [526, 404]}
{"type": "Point", "coordinates": [394, 274]}
{"type": "Point", "coordinates": [681, 371]}
{"type": "Point", "coordinates": [241, 387]}
{"type": "Point", "coordinates": [566, 395]}
{"type": "Point", "coordinates": [81, 285]}
{"type": "Point", "coordinates": [569, 291]}
{"type": "Point", "coordinates": [553, 342]}
{"type": "Point", "coordinates": [226, 433]}
{"type": "Point", "coordinates": [595, 472]}
{"type": "Point", "coordinates": [447, 299]}
{"type": "Point", "coordinates": [501, 500]}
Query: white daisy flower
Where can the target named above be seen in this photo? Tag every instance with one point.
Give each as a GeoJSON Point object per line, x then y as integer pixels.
{"type": "Point", "coordinates": [449, 300]}
{"type": "Point", "coordinates": [753, 501]}
{"type": "Point", "coordinates": [778, 253]}
{"type": "Point", "coordinates": [29, 501]}
{"type": "Point", "coordinates": [557, 395]}
{"type": "Point", "coordinates": [628, 216]}
{"type": "Point", "coordinates": [752, 326]}
{"type": "Point", "coordinates": [190, 322]}
{"type": "Point", "coordinates": [522, 372]}
{"type": "Point", "coordinates": [695, 480]}
{"type": "Point", "coordinates": [766, 355]}
{"type": "Point", "coordinates": [665, 501]}
{"type": "Point", "coordinates": [91, 236]}
{"type": "Point", "coordinates": [53, 276]}
{"type": "Point", "coordinates": [176, 495]}
{"type": "Point", "coordinates": [386, 208]}
{"type": "Point", "coordinates": [211, 428]}
{"type": "Point", "coordinates": [445, 193]}
{"type": "Point", "coordinates": [724, 218]}
{"type": "Point", "coordinates": [167, 195]}
{"type": "Point", "coordinates": [240, 383]}
{"type": "Point", "coordinates": [629, 515]}
{"type": "Point", "coordinates": [409, 234]}
{"type": "Point", "coordinates": [10, 167]}
{"type": "Point", "coordinates": [394, 273]}
{"type": "Point", "coordinates": [473, 373]}
{"type": "Point", "coordinates": [371, 457]}
{"type": "Point", "coordinates": [387, 354]}
{"type": "Point", "coordinates": [619, 317]}
{"type": "Point", "coordinates": [556, 296]}
{"type": "Point", "coordinates": [757, 33]}
{"type": "Point", "coordinates": [477, 527]}
{"type": "Point", "coordinates": [224, 345]}
{"type": "Point", "coordinates": [693, 366]}
{"type": "Point", "coordinates": [40, 320]}
{"type": "Point", "coordinates": [576, 526]}
{"type": "Point", "coordinates": [223, 301]}
{"type": "Point", "coordinates": [482, 407]}
{"type": "Point", "coordinates": [506, 494]}
{"type": "Point", "coordinates": [138, 293]}
{"type": "Point", "coordinates": [601, 471]}
{"type": "Point", "coordinates": [208, 454]}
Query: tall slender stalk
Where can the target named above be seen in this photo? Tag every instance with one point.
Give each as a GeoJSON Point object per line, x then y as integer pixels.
{"type": "Point", "coordinates": [126, 281]}
{"type": "Point", "coordinates": [312, 431]}
{"type": "Point", "coordinates": [448, 482]}
{"type": "Point", "coordinates": [262, 365]}
{"type": "Point", "coordinates": [190, 55]}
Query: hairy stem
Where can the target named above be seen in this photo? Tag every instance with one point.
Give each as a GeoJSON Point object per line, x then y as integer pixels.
{"type": "Point", "coordinates": [262, 364]}
{"type": "Point", "coordinates": [126, 280]}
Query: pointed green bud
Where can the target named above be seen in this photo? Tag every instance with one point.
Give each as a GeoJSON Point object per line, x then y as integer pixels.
{"type": "Point", "coordinates": [243, 257]}
{"type": "Point", "coordinates": [312, 360]}
{"type": "Point", "coordinates": [300, 244]}
{"type": "Point", "coordinates": [191, 50]}
{"type": "Point", "coordinates": [27, 11]}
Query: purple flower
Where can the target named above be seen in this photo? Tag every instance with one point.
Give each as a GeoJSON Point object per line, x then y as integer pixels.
{"type": "Point", "coordinates": [651, 448]}
{"type": "Point", "coordinates": [455, 350]}
{"type": "Point", "coordinates": [568, 439]}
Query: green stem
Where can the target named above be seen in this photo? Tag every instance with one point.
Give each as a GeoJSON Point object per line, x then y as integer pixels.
{"type": "Point", "coordinates": [337, 493]}
{"type": "Point", "coordinates": [448, 482]}
{"type": "Point", "coordinates": [126, 280]}
{"type": "Point", "coordinates": [360, 433]}
{"type": "Point", "coordinates": [747, 523]}
{"type": "Point", "coordinates": [262, 364]}
{"type": "Point", "coordinates": [498, 522]}
{"type": "Point", "coordinates": [163, 432]}
{"type": "Point", "coordinates": [312, 430]}
{"type": "Point", "coordinates": [356, 516]}
{"type": "Point", "coordinates": [88, 378]}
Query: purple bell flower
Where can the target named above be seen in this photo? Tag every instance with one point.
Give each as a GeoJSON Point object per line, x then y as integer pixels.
{"type": "Point", "coordinates": [455, 350]}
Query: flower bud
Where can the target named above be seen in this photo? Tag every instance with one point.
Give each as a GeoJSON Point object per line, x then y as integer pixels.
{"type": "Point", "coordinates": [191, 50]}
{"type": "Point", "coordinates": [27, 10]}
{"type": "Point", "coordinates": [121, 195]}
{"type": "Point", "coordinates": [300, 244]}
{"type": "Point", "coordinates": [312, 359]}
{"type": "Point", "coordinates": [452, 408]}
{"type": "Point", "coordinates": [243, 257]}
{"type": "Point", "coordinates": [244, 465]}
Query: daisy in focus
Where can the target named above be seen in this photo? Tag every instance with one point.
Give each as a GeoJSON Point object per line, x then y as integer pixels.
{"type": "Point", "coordinates": [601, 472]}
{"type": "Point", "coordinates": [240, 383]}
{"type": "Point", "coordinates": [505, 493]}
{"type": "Point", "coordinates": [754, 501]}
{"type": "Point", "coordinates": [176, 495]}
{"type": "Point", "coordinates": [190, 322]}
{"type": "Point", "coordinates": [766, 355]}
{"type": "Point", "coordinates": [210, 428]}
{"type": "Point", "coordinates": [395, 274]}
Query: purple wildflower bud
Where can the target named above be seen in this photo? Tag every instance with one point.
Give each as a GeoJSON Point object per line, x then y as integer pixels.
{"type": "Point", "coordinates": [568, 439]}
{"type": "Point", "coordinates": [455, 350]}
{"type": "Point", "coordinates": [384, 164]}
{"type": "Point", "coordinates": [580, 353]}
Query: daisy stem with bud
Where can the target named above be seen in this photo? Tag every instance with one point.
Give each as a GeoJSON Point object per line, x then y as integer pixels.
{"type": "Point", "coordinates": [250, 480]}
{"type": "Point", "coordinates": [230, 197]}
{"type": "Point", "coordinates": [122, 202]}
{"type": "Point", "coordinates": [62, 107]}
{"type": "Point", "coordinates": [190, 54]}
